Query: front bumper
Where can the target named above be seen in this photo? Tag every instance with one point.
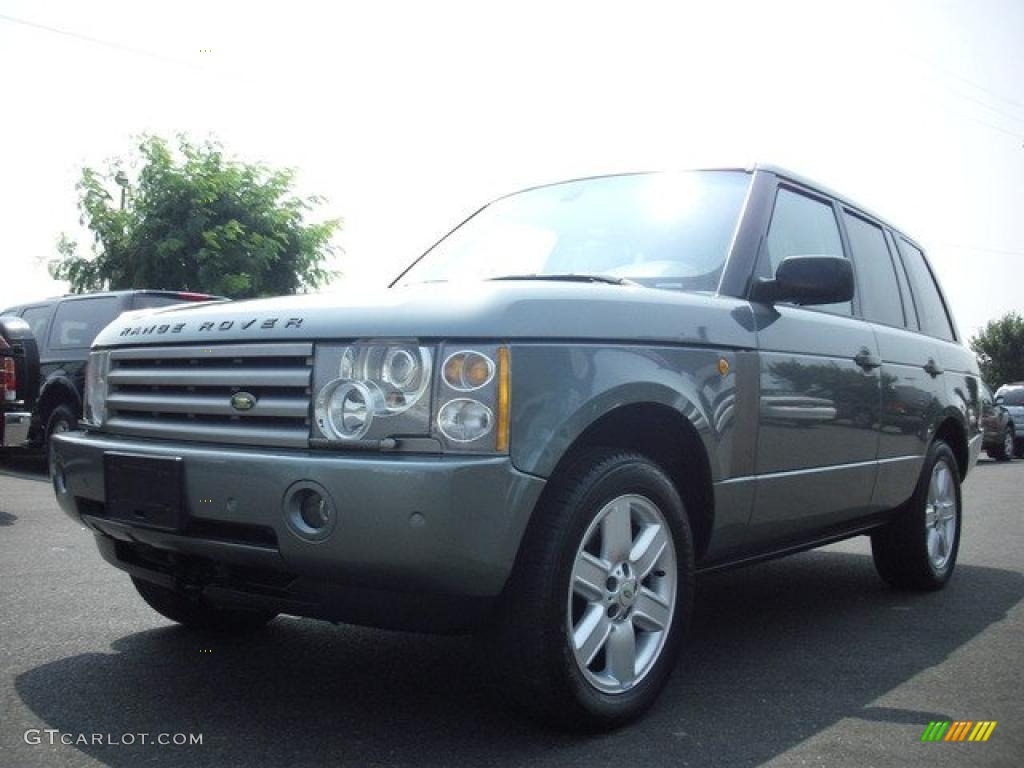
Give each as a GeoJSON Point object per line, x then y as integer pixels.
{"type": "Point", "coordinates": [412, 532]}
{"type": "Point", "coordinates": [14, 432]}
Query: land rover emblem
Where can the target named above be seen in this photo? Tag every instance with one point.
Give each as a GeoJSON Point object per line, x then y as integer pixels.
{"type": "Point", "coordinates": [243, 401]}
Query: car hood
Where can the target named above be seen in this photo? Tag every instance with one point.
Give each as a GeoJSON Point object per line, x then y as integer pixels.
{"type": "Point", "coordinates": [531, 309]}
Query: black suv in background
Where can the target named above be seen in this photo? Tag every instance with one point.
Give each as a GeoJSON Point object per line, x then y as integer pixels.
{"type": "Point", "coordinates": [48, 358]}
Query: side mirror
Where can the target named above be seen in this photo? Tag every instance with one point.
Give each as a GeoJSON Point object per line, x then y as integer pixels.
{"type": "Point", "coordinates": [808, 280]}
{"type": "Point", "coordinates": [998, 400]}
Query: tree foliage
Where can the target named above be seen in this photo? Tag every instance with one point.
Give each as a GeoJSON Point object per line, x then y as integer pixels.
{"type": "Point", "coordinates": [196, 220]}
{"type": "Point", "coordinates": [1000, 349]}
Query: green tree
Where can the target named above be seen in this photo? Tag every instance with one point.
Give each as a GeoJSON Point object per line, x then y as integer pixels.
{"type": "Point", "coordinates": [196, 220]}
{"type": "Point", "coordinates": [1000, 349]}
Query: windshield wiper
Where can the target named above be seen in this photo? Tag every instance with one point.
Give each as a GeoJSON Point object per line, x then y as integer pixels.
{"type": "Point", "coordinates": [570, 277]}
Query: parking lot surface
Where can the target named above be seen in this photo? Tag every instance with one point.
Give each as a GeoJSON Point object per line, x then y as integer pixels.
{"type": "Point", "coordinates": [806, 661]}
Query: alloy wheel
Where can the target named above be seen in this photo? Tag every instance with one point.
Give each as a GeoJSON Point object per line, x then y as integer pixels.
{"type": "Point", "coordinates": [941, 515]}
{"type": "Point", "coordinates": [622, 593]}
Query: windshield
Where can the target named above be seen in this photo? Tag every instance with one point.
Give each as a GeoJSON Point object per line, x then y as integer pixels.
{"type": "Point", "coordinates": [1011, 395]}
{"type": "Point", "coordinates": [664, 230]}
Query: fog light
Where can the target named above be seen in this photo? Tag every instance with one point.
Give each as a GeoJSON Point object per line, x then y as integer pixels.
{"type": "Point", "coordinates": [313, 509]}
{"type": "Point", "coordinates": [309, 511]}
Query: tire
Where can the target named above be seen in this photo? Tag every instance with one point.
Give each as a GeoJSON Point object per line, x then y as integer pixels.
{"type": "Point", "coordinates": [62, 419]}
{"type": "Point", "coordinates": [918, 548]}
{"type": "Point", "coordinates": [194, 613]}
{"type": "Point", "coordinates": [1005, 450]}
{"type": "Point", "coordinates": [539, 643]}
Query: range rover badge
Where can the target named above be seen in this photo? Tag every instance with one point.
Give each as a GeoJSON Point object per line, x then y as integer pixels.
{"type": "Point", "coordinates": [243, 401]}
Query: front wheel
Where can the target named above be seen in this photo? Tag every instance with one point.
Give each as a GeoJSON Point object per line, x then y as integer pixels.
{"type": "Point", "coordinates": [918, 548]}
{"type": "Point", "coordinates": [592, 619]}
{"type": "Point", "coordinates": [62, 419]}
{"type": "Point", "coordinates": [1004, 451]}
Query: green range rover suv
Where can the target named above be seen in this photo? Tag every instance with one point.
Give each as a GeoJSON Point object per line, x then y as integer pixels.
{"type": "Point", "coordinates": [582, 397]}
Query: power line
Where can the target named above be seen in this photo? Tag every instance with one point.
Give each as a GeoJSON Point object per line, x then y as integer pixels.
{"type": "Point", "coordinates": [984, 104]}
{"type": "Point", "coordinates": [1016, 134]}
{"type": "Point", "coordinates": [967, 80]}
{"type": "Point", "coordinates": [97, 41]}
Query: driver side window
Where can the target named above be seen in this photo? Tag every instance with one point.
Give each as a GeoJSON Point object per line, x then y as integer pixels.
{"type": "Point", "coordinates": [803, 226]}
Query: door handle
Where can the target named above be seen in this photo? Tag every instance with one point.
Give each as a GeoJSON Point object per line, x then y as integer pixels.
{"type": "Point", "coordinates": [932, 368]}
{"type": "Point", "coordinates": [866, 360]}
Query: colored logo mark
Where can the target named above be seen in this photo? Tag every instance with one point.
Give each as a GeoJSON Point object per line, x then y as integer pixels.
{"type": "Point", "coordinates": [958, 730]}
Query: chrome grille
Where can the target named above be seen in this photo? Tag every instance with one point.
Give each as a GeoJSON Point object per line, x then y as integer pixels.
{"type": "Point", "coordinates": [184, 393]}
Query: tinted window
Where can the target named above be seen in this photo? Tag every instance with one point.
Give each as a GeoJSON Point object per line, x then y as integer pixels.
{"type": "Point", "coordinates": [880, 293]}
{"type": "Point", "coordinates": [36, 318]}
{"type": "Point", "coordinates": [803, 226]}
{"type": "Point", "coordinates": [909, 309]}
{"type": "Point", "coordinates": [77, 323]}
{"type": "Point", "coordinates": [931, 312]}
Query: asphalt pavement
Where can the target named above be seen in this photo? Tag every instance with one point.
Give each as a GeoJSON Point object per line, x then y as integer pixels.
{"type": "Point", "coordinates": [806, 661]}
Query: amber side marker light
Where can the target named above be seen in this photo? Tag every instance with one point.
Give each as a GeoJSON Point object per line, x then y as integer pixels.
{"type": "Point", "coordinates": [501, 436]}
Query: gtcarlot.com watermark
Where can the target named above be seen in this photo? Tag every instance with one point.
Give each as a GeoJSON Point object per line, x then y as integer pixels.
{"type": "Point", "coordinates": [52, 736]}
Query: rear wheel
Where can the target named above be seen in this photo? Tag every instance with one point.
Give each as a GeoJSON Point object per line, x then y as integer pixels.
{"type": "Point", "coordinates": [195, 613]}
{"type": "Point", "coordinates": [918, 548]}
{"type": "Point", "coordinates": [591, 622]}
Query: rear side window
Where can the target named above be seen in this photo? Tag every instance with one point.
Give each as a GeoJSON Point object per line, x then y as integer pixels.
{"type": "Point", "coordinates": [931, 312]}
{"type": "Point", "coordinates": [77, 323]}
{"type": "Point", "coordinates": [880, 293]}
{"type": "Point", "coordinates": [36, 318]}
{"type": "Point", "coordinates": [804, 226]}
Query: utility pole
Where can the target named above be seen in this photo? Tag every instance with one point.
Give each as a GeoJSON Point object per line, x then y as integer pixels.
{"type": "Point", "coordinates": [122, 182]}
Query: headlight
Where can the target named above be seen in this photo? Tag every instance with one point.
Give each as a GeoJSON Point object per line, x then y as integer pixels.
{"type": "Point", "coordinates": [372, 390]}
{"type": "Point", "coordinates": [468, 370]}
{"type": "Point", "coordinates": [376, 390]}
{"type": "Point", "coordinates": [473, 399]}
{"type": "Point", "coordinates": [464, 421]}
{"type": "Point", "coordinates": [96, 389]}
{"type": "Point", "coordinates": [345, 409]}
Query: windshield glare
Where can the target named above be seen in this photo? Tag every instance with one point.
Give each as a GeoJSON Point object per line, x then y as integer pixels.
{"type": "Point", "coordinates": [664, 230]}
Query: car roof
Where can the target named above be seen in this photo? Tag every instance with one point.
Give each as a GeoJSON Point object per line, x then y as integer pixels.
{"type": "Point", "coordinates": [104, 294]}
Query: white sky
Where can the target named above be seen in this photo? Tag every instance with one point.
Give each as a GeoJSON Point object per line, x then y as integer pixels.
{"type": "Point", "coordinates": [407, 116]}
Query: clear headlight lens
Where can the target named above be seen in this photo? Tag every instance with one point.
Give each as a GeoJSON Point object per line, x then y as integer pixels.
{"type": "Point", "coordinates": [402, 372]}
{"type": "Point", "coordinates": [95, 410]}
{"type": "Point", "coordinates": [464, 420]}
{"type": "Point", "coordinates": [372, 390]}
{"type": "Point", "coordinates": [345, 408]}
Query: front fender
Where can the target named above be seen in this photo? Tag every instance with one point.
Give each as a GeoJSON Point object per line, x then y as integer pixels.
{"type": "Point", "coordinates": [558, 391]}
